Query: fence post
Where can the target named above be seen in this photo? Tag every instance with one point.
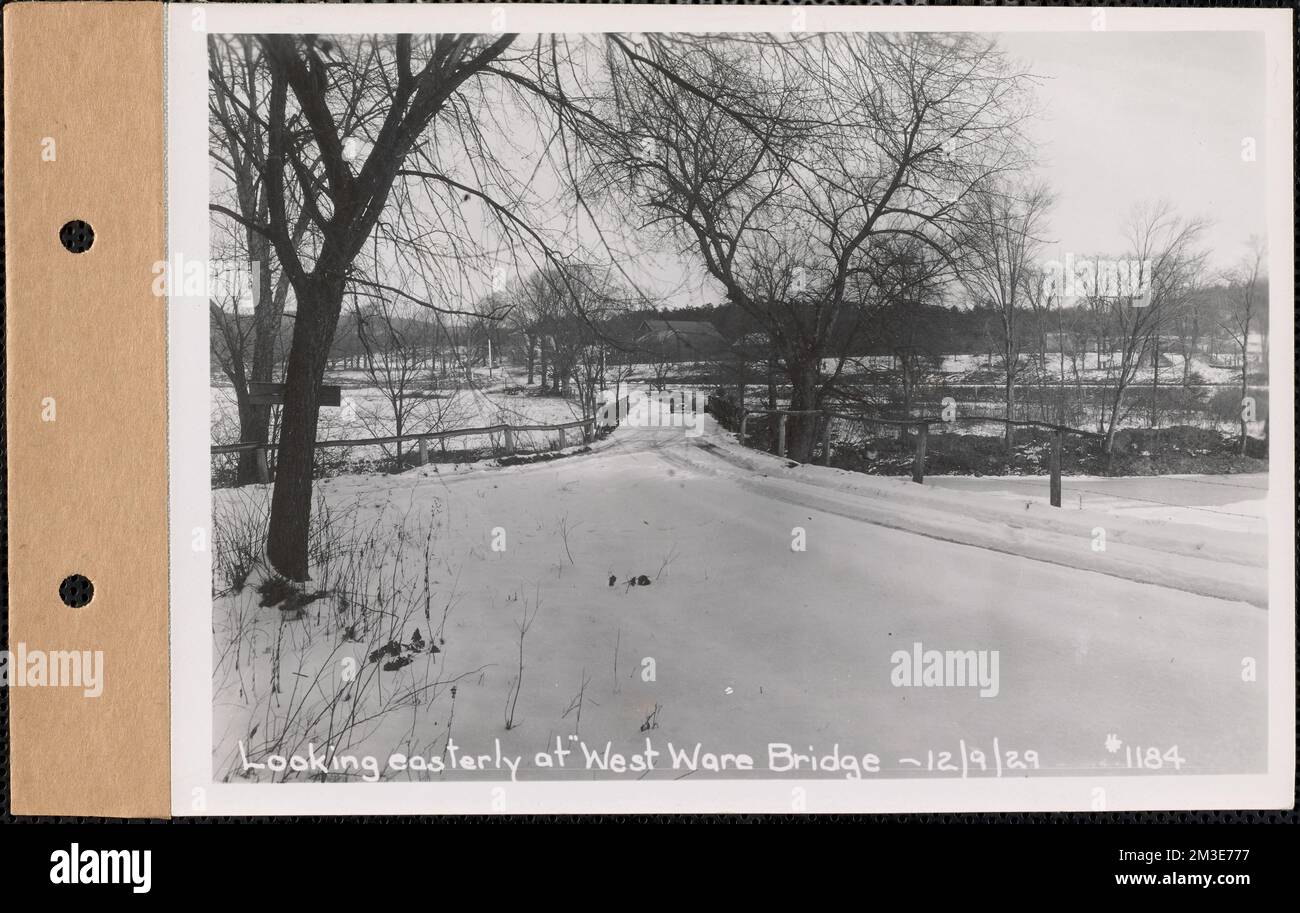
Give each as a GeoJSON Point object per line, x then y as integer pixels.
{"type": "Point", "coordinates": [918, 461]}
{"type": "Point", "coordinates": [780, 434]}
{"type": "Point", "coordinates": [694, 404]}
{"type": "Point", "coordinates": [562, 444]}
{"type": "Point", "coordinates": [1054, 467]}
{"type": "Point", "coordinates": [510, 440]}
{"type": "Point", "coordinates": [424, 450]}
{"type": "Point", "coordinates": [826, 439]}
{"type": "Point", "coordinates": [263, 471]}
{"type": "Point", "coordinates": [672, 405]}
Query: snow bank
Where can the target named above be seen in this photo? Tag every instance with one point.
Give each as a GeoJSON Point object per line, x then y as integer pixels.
{"type": "Point", "coordinates": [1205, 560]}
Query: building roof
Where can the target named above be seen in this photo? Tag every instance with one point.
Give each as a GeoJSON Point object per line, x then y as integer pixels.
{"type": "Point", "coordinates": [694, 334]}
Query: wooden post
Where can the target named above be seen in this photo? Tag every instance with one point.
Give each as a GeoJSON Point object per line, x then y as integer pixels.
{"type": "Point", "coordinates": [424, 450]}
{"type": "Point", "coordinates": [826, 439]}
{"type": "Point", "coordinates": [510, 440]}
{"type": "Point", "coordinates": [263, 472]}
{"type": "Point", "coordinates": [918, 461]}
{"type": "Point", "coordinates": [1054, 467]}
{"type": "Point", "coordinates": [780, 434]}
{"type": "Point", "coordinates": [562, 444]}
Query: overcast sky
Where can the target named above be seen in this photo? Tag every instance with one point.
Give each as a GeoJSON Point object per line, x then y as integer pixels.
{"type": "Point", "coordinates": [1124, 118]}
{"type": "Point", "coordinates": [1145, 116]}
{"type": "Point", "coordinates": [1128, 118]}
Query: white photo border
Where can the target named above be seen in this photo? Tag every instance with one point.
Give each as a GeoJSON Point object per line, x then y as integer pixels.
{"type": "Point", "coordinates": [187, 176]}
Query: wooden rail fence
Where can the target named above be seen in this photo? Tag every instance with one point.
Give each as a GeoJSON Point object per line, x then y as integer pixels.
{"type": "Point", "coordinates": [677, 400]}
{"type": "Point", "coordinates": [421, 439]}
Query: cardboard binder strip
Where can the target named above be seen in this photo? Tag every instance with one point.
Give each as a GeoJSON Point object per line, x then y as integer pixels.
{"type": "Point", "coordinates": [87, 405]}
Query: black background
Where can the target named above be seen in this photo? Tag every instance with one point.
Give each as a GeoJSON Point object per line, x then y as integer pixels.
{"type": "Point", "coordinates": [983, 862]}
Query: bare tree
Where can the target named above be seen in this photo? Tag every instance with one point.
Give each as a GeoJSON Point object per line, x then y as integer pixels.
{"type": "Point", "coordinates": [1003, 227]}
{"type": "Point", "coordinates": [1188, 321]}
{"type": "Point", "coordinates": [341, 137]}
{"type": "Point", "coordinates": [231, 321]}
{"type": "Point", "coordinates": [780, 162]}
{"type": "Point", "coordinates": [394, 352]}
{"type": "Point", "coordinates": [237, 109]}
{"type": "Point", "coordinates": [1246, 302]}
{"type": "Point", "coordinates": [901, 280]}
{"type": "Point", "coordinates": [527, 319]}
{"type": "Point", "coordinates": [1164, 246]}
{"type": "Point", "coordinates": [1041, 296]}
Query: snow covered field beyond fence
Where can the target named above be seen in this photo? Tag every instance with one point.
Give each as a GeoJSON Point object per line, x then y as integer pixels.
{"type": "Point", "coordinates": [662, 589]}
{"type": "Point", "coordinates": [365, 412]}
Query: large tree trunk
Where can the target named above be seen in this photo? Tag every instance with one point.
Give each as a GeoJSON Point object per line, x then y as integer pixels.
{"type": "Point", "coordinates": [268, 310]}
{"type": "Point", "coordinates": [266, 327]}
{"type": "Point", "coordinates": [254, 427]}
{"type": "Point", "coordinates": [255, 421]}
{"type": "Point", "coordinates": [801, 430]}
{"type": "Point", "coordinates": [319, 305]}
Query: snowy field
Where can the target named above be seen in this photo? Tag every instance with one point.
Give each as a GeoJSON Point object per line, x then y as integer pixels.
{"type": "Point", "coordinates": [365, 412]}
{"type": "Point", "coordinates": [958, 367]}
{"type": "Point", "coordinates": [1237, 503]}
{"type": "Point", "coordinates": [653, 588]}
{"type": "Point", "coordinates": [501, 397]}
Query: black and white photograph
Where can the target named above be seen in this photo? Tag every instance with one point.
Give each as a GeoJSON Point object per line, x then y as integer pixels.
{"type": "Point", "coordinates": [745, 411]}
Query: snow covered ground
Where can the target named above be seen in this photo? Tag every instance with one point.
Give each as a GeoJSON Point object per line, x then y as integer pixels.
{"type": "Point", "coordinates": [956, 367]}
{"type": "Point", "coordinates": [677, 588]}
{"type": "Point", "coordinates": [365, 412]}
{"type": "Point", "coordinates": [1237, 503]}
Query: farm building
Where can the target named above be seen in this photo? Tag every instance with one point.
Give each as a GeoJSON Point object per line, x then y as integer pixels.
{"type": "Point", "coordinates": [680, 340]}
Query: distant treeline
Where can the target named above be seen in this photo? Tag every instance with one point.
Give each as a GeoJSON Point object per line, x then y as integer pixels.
{"type": "Point", "coordinates": [929, 330]}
